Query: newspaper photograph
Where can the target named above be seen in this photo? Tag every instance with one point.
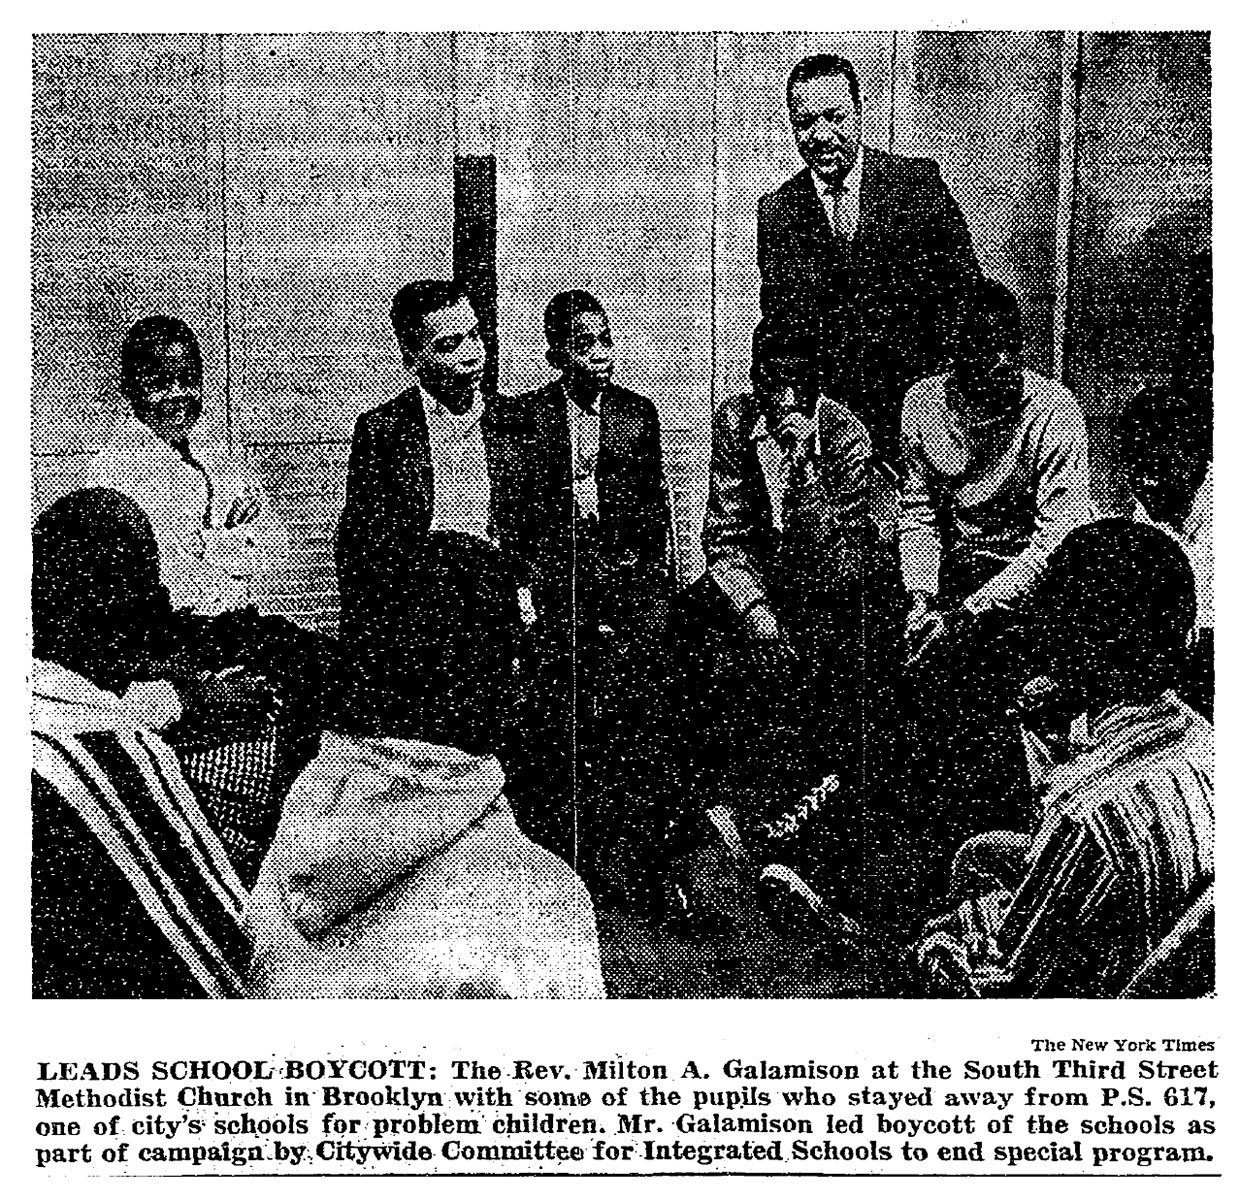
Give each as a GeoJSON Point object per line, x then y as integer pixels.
{"type": "Point", "coordinates": [657, 516]}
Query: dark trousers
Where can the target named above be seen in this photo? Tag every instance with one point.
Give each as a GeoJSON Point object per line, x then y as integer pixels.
{"type": "Point", "coordinates": [241, 779]}
{"type": "Point", "coordinates": [592, 668]}
{"type": "Point", "coordinates": [967, 764]}
{"type": "Point", "coordinates": [762, 743]}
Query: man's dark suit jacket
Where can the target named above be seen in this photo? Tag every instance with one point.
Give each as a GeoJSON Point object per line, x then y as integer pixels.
{"type": "Point", "coordinates": [633, 511]}
{"type": "Point", "coordinates": [390, 494]}
{"type": "Point", "coordinates": [861, 325]}
{"type": "Point", "coordinates": [739, 537]}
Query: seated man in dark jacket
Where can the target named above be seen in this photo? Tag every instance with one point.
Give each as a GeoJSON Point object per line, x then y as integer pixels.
{"type": "Point", "coordinates": [593, 516]}
{"type": "Point", "coordinates": [590, 516]}
{"type": "Point", "coordinates": [802, 628]}
{"type": "Point", "coordinates": [431, 458]}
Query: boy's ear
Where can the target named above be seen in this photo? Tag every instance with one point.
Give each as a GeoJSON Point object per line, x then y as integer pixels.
{"type": "Point", "coordinates": [557, 358]}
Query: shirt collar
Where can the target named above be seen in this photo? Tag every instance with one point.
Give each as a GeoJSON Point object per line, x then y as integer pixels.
{"type": "Point", "coordinates": [463, 424]}
{"type": "Point", "coordinates": [141, 438]}
{"type": "Point", "coordinates": [574, 407]}
{"type": "Point", "coordinates": [851, 185]}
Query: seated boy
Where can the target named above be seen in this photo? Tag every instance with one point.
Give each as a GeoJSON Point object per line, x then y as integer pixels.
{"type": "Point", "coordinates": [217, 533]}
{"type": "Point", "coordinates": [1124, 849]}
{"type": "Point", "coordinates": [1165, 450]}
{"type": "Point", "coordinates": [590, 518]}
{"type": "Point", "coordinates": [132, 896]}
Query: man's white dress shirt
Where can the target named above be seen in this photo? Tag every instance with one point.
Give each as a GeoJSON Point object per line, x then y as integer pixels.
{"type": "Point", "coordinates": [849, 199]}
{"type": "Point", "coordinates": [459, 458]}
{"type": "Point", "coordinates": [205, 567]}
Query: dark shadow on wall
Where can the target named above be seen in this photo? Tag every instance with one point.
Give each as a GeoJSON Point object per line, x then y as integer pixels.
{"type": "Point", "coordinates": [985, 106]}
{"type": "Point", "coordinates": [1143, 316]}
{"type": "Point", "coordinates": [1030, 248]}
{"type": "Point", "coordinates": [1133, 305]}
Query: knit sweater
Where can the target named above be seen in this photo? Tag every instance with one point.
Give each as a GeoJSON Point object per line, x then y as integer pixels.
{"type": "Point", "coordinates": [1002, 493]}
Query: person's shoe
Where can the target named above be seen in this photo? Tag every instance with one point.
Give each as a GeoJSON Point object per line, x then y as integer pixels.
{"type": "Point", "coordinates": [723, 820]}
{"type": "Point", "coordinates": [795, 907]}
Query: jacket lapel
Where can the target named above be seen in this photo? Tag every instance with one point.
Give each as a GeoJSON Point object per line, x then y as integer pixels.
{"type": "Point", "coordinates": [413, 439]}
{"type": "Point", "coordinates": [610, 430]}
{"type": "Point", "coordinates": [809, 215]}
{"type": "Point", "coordinates": [554, 442]}
{"type": "Point", "coordinates": [873, 194]}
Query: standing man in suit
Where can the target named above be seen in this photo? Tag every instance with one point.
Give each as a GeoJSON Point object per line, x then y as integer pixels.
{"type": "Point", "coordinates": [865, 259]}
{"type": "Point", "coordinates": [430, 459]}
{"type": "Point", "coordinates": [591, 517]}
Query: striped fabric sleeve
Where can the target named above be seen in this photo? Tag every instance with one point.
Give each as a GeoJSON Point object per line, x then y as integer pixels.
{"type": "Point", "coordinates": [1048, 911]}
{"type": "Point", "coordinates": [160, 844]}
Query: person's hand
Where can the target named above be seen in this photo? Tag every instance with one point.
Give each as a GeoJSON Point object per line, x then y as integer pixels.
{"type": "Point", "coordinates": [792, 433]}
{"type": "Point", "coordinates": [761, 624]}
{"type": "Point", "coordinates": [927, 630]}
{"type": "Point", "coordinates": [770, 649]}
{"type": "Point", "coordinates": [225, 706]}
{"type": "Point", "coordinates": [792, 428]}
{"type": "Point", "coordinates": [153, 703]}
{"type": "Point", "coordinates": [243, 510]}
{"type": "Point", "coordinates": [922, 625]}
{"type": "Point", "coordinates": [525, 602]}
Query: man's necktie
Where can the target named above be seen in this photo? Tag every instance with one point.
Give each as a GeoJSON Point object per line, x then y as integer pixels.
{"type": "Point", "coordinates": [835, 210]}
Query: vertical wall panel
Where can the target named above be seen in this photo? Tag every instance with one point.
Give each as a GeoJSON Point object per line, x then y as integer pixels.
{"type": "Point", "coordinates": [339, 163]}
{"type": "Point", "coordinates": [513, 102]}
{"type": "Point", "coordinates": [985, 107]}
{"type": "Point", "coordinates": [340, 190]}
{"type": "Point", "coordinates": [1144, 218]}
{"type": "Point", "coordinates": [126, 223]}
{"type": "Point", "coordinates": [339, 168]}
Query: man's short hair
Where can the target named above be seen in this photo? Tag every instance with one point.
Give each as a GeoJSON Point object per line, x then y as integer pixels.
{"type": "Point", "coordinates": [415, 302]}
{"type": "Point", "coordinates": [94, 575]}
{"type": "Point", "coordinates": [1160, 420]}
{"type": "Point", "coordinates": [1121, 593]}
{"type": "Point", "coordinates": [561, 312]}
{"type": "Point", "coordinates": [819, 66]}
{"type": "Point", "coordinates": [431, 654]}
{"type": "Point", "coordinates": [991, 310]}
{"type": "Point", "coordinates": [141, 348]}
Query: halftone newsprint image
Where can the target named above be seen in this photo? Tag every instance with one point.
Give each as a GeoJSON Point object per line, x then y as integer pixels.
{"type": "Point", "coordinates": [715, 520]}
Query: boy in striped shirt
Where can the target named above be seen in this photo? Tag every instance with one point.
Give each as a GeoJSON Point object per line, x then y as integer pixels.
{"type": "Point", "coordinates": [132, 895]}
{"type": "Point", "coordinates": [1124, 850]}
